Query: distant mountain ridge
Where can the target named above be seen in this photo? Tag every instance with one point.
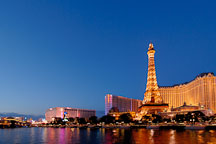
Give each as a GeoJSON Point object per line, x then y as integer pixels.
{"type": "Point", "coordinates": [34, 117]}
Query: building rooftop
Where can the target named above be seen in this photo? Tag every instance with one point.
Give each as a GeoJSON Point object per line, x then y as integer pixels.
{"type": "Point", "coordinates": [67, 108]}
{"type": "Point", "coordinates": [123, 97]}
{"type": "Point", "coordinates": [198, 76]}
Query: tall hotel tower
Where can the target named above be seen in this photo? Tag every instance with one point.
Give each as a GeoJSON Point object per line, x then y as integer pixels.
{"type": "Point", "coordinates": [123, 104]}
{"type": "Point", "coordinates": [152, 94]}
{"type": "Point", "coordinates": [152, 103]}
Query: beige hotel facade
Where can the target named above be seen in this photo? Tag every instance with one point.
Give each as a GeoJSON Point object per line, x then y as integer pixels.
{"type": "Point", "coordinates": [200, 91]}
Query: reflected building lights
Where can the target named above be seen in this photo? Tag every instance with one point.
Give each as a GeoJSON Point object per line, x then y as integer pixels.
{"type": "Point", "coordinates": [106, 136]}
{"type": "Point", "coordinates": [61, 135]}
{"type": "Point", "coordinates": [172, 136]}
{"type": "Point", "coordinates": [151, 136]}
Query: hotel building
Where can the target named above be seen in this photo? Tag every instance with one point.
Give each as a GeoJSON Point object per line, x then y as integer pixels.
{"type": "Point", "coordinates": [153, 101]}
{"type": "Point", "coordinates": [62, 112]}
{"type": "Point", "coordinates": [123, 104]}
{"type": "Point", "coordinates": [200, 91]}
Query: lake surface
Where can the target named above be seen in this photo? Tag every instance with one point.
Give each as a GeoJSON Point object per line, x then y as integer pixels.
{"type": "Point", "coordinates": [104, 136]}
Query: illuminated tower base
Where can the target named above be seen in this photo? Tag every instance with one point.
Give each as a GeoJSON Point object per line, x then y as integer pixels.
{"type": "Point", "coordinates": [152, 103]}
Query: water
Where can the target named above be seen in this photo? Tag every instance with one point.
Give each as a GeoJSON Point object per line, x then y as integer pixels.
{"type": "Point", "coordinates": [104, 136]}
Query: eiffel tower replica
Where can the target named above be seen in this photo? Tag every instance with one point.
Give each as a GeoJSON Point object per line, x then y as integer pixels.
{"type": "Point", "coordinates": [153, 102]}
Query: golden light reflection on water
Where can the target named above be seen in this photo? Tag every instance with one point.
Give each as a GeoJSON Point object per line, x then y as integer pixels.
{"type": "Point", "coordinates": [172, 136]}
{"type": "Point", "coordinates": [103, 131]}
{"type": "Point", "coordinates": [122, 132]}
{"type": "Point", "coordinates": [142, 136]}
{"type": "Point", "coordinates": [88, 134]}
{"type": "Point", "coordinates": [151, 135]}
{"type": "Point", "coordinates": [200, 136]}
{"type": "Point", "coordinates": [137, 136]}
{"type": "Point", "coordinates": [51, 135]}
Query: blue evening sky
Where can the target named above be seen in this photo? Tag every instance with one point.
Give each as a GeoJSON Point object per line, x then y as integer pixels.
{"type": "Point", "coordinates": [72, 53]}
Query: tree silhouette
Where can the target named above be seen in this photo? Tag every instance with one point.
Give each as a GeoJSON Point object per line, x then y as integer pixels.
{"type": "Point", "coordinates": [93, 120]}
{"type": "Point", "coordinates": [107, 119]}
{"type": "Point", "coordinates": [82, 121]}
{"type": "Point", "coordinates": [156, 118]}
{"type": "Point", "coordinates": [126, 117]}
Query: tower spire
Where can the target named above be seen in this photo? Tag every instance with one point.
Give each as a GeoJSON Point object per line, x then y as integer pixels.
{"type": "Point", "coordinates": [152, 94]}
{"type": "Point", "coordinates": [151, 47]}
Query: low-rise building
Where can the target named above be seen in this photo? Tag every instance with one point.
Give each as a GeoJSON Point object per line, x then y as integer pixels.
{"type": "Point", "coordinates": [68, 112]}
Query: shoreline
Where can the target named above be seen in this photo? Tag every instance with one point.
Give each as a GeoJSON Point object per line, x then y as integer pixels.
{"type": "Point", "coordinates": [158, 127]}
